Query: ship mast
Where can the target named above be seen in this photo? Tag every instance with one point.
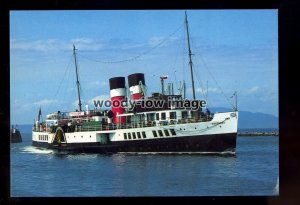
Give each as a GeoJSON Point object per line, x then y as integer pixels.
{"type": "Point", "coordinates": [77, 81]}
{"type": "Point", "coordinates": [190, 55]}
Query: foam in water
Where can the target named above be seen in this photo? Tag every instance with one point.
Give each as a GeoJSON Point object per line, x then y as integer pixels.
{"type": "Point", "coordinates": [35, 150]}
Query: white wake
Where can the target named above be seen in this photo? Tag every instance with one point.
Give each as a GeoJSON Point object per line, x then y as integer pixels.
{"type": "Point", "coordinates": [35, 150]}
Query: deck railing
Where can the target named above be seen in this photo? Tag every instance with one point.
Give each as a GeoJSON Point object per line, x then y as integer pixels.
{"type": "Point", "coordinates": [111, 126]}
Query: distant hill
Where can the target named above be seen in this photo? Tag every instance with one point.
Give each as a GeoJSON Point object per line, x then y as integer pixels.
{"type": "Point", "coordinates": [250, 120]}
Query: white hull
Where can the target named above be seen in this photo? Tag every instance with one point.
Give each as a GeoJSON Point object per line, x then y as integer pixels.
{"type": "Point", "coordinates": [223, 124]}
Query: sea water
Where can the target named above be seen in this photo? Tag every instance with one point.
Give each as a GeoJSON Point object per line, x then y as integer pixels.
{"type": "Point", "coordinates": [252, 172]}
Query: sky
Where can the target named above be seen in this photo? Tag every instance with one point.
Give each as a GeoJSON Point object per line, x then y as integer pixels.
{"type": "Point", "coordinates": [233, 50]}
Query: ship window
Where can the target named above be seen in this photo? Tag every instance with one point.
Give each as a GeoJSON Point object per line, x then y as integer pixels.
{"type": "Point", "coordinates": [163, 115]}
{"type": "Point", "coordinates": [184, 114]}
{"type": "Point", "coordinates": [144, 134]}
{"type": "Point", "coordinates": [139, 135]}
{"type": "Point", "coordinates": [133, 135]}
{"type": "Point", "coordinates": [160, 133]}
{"type": "Point", "coordinates": [150, 116]}
{"type": "Point", "coordinates": [129, 135]}
{"type": "Point", "coordinates": [125, 136]}
{"type": "Point", "coordinates": [154, 133]}
{"type": "Point", "coordinates": [166, 133]}
{"type": "Point", "coordinates": [172, 115]}
{"type": "Point", "coordinates": [157, 116]}
{"type": "Point", "coordinates": [172, 131]}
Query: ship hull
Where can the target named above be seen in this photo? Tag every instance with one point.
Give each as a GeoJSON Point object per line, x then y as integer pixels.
{"type": "Point", "coordinates": [15, 137]}
{"type": "Point", "coordinates": [214, 144]}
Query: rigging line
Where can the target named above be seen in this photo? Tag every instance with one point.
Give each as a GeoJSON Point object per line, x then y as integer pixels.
{"type": "Point", "coordinates": [199, 80]}
{"type": "Point", "coordinates": [58, 89]}
{"type": "Point", "coordinates": [205, 94]}
{"type": "Point", "coordinates": [69, 94]}
{"type": "Point", "coordinates": [215, 81]}
{"type": "Point", "coordinates": [177, 55]}
{"type": "Point", "coordinates": [140, 55]}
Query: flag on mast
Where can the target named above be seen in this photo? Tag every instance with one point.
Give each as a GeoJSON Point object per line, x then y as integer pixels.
{"type": "Point", "coordinates": [40, 114]}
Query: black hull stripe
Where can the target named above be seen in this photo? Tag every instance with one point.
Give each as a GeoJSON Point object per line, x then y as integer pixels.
{"type": "Point", "coordinates": [205, 143]}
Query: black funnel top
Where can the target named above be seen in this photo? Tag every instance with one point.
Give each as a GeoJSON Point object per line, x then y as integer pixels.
{"type": "Point", "coordinates": [135, 78]}
{"type": "Point", "coordinates": [116, 82]}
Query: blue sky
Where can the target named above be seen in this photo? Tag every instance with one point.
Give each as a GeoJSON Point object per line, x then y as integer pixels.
{"type": "Point", "coordinates": [235, 50]}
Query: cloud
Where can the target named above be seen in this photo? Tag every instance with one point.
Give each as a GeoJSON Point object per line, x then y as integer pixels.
{"type": "Point", "coordinates": [97, 83]}
{"type": "Point", "coordinates": [87, 44]}
{"type": "Point", "coordinates": [100, 97]}
{"type": "Point", "coordinates": [75, 104]}
{"type": "Point", "coordinates": [210, 90]}
{"type": "Point", "coordinates": [213, 90]}
{"type": "Point", "coordinates": [82, 40]}
{"type": "Point", "coordinates": [45, 102]}
{"type": "Point", "coordinates": [49, 45]}
{"type": "Point", "coordinates": [269, 96]}
{"type": "Point", "coordinates": [155, 40]}
{"type": "Point", "coordinates": [252, 90]}
{"type": "Point", "coordinates": [37, 45]}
